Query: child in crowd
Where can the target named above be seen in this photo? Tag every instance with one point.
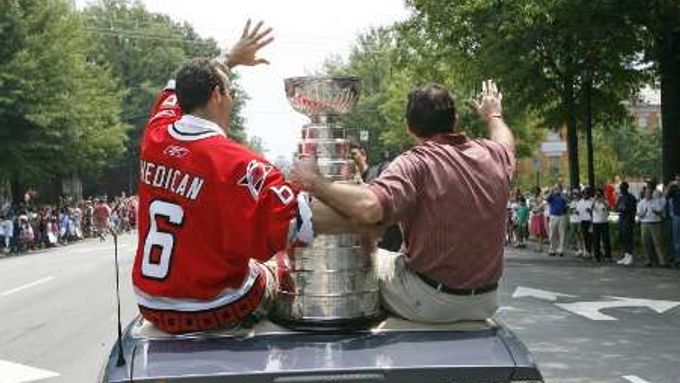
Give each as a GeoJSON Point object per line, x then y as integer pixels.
{"type": "Point", "coordinates": [522, 214]}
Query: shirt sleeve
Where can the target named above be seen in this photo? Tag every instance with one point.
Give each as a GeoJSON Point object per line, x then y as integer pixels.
{"type": "Point", "coordinates": [397, 188]}
{"type": "Point", "coordinates": [271, 215]}
{"type": "Point", "coordinates": [503, 155]}
{"type": "Point", "coordinates": [166, 105]}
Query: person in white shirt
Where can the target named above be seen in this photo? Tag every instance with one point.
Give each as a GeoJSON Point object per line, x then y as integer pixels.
{"type": "Point", "coordinates": [650, 211]}
{"type": "Point", "coordinates": [585, 210]}
{"type": "Point", "coordinates": [7, 231]}
{"type": "Point", "coordinates": [575, 222]}
{"type": "Point", "coordinates": [601, 227]}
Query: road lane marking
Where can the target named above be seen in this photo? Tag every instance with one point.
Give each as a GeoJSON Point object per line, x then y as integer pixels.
{"type": "Point", "coordinates": [18, 373]}
{"type": "Point", "coordinates": [540, 294]}
{"type": "Point", "coordinates": [99, 249]}
{"type": "Point", "coordinates": [26, 286]}
{"type": "Point", "coordinates": [635, 379]}
{"type": "Point", "coordinates": [591, 310]}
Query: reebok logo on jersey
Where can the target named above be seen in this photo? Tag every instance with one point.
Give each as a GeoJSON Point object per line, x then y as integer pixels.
{"type": "Point", "coordinates": [256, 174]}
{"type": "Point", "coordinates": [176, 151]}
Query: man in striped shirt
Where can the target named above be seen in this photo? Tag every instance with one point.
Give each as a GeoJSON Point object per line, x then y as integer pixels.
{"type": "Point", "coordinates": [449, 195]}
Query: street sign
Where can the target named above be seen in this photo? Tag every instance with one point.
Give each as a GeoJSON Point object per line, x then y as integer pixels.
{"type": "Point", "coordinates": [363, 135]}
{"type": "Point", "coordinates": [553, 148]}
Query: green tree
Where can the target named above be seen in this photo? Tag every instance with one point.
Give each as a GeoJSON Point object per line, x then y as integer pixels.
{"type": "Point", "coordinates": [59, 113]}
{"type": "Point", "coordinates": [144, 50]}
{"type": "Point", "coordinates": [638, 152]}
{"type": "Point", "coordinates": [659, 21]}
{"type": "Point", "coordinates": [540, 50]}
{"type": "Point", "coordinates": [624, 150]}
{"type": "Point", "coordinates": [392, 61]}
{"type": "Point", "coordinates": [606, 160]}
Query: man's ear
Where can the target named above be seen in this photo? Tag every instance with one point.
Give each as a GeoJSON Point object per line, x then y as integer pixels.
{"type": "Point", "coordinates": [409, 132]}
{"type": "Point", "coordinates": [216, 95]}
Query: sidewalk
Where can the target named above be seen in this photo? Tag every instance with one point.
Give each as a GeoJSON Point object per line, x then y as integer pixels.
{"type": "Point", "coordinates": [528, 254]}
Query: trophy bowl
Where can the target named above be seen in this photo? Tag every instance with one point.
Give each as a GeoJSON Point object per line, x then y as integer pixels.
{"type": "Point", "coordinates": [322, 95]}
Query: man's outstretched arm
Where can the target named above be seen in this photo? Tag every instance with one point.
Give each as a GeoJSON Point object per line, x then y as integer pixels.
{"type": "Point", "coordinates": [356, 202]}
{"type": "Point", "coordinates": [327, 220]}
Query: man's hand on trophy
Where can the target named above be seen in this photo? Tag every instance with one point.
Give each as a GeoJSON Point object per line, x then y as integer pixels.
{"type": "Point", "coordinates": [245, 50]}
{"type": "Point", "coordinates": [305, 173]}
{"type": "Point", "coordinates": [488, 105]}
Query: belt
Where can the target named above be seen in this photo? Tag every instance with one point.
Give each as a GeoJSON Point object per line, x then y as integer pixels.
{"type": "Point", "coordinates": [443, 288]}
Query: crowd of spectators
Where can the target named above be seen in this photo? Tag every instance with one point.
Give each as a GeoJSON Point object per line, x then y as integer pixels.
{"type": "Point", "coordinates": [27, 227]}
{"type": "Point", "coordinates": [583, 219]}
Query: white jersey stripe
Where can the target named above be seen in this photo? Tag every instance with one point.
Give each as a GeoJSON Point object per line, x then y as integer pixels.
{"type": "Point", "coordinates": [227, 296]}
{"type": "Point", "coordinates": [192, 128]}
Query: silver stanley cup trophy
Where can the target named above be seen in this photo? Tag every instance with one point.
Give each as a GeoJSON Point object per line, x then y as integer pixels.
{"type": "Point", "coordinates": [331, 283]}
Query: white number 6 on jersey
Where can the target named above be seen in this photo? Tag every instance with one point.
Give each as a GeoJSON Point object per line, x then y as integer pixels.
{"type": "Point", "coordinates": [165, 241]}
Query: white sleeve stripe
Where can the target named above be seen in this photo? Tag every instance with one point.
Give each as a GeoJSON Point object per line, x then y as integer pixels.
{"type": "Point", "coordinates": [292, 232]}
{"type": "Point", "coordinates": [301, 229]}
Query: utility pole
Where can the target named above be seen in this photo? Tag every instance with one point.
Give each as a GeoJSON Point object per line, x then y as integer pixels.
{"type": "Point", "coordinates": [588, 118]}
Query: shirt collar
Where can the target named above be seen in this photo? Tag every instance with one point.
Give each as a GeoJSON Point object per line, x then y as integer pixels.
{"type": "Point", "coordinates": [191, 128]}
{"type": "Point", "coordinates": [452, 138]}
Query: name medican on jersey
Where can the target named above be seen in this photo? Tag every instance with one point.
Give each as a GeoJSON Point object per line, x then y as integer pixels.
{"type": "Point", "coordinates": [177, 182]}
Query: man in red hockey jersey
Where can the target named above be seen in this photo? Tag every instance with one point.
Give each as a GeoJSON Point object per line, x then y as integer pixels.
{"type": "Point", "coordinates": [211, 211]}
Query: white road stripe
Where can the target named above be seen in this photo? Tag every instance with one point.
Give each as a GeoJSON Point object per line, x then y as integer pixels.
{"type": "Point", "coordinates": [26, 286]}
{"type": "Point", "coordinates": [99, 250]}
{"type": "Point", "coordinates": [18, 373]}
{"type": "Point", "coordinates": [634, 379]}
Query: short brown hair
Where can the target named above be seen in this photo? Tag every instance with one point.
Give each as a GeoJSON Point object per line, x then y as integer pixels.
{"type": "Point", "coordinates": [430, 110]}
{"type": "Point", "coordinates": [196, 80]}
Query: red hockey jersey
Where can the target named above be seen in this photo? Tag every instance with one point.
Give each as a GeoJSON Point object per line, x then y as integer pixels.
{"type": "Point", "coordinates": [207, 206]}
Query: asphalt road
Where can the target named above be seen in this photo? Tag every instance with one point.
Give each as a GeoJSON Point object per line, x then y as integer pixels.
{"type": "Point", "coordinates": [57, 310]}
{"type": "Point", "coordinates": [636, 342]}
{"type": "Point", "coordinates": [57, 315]}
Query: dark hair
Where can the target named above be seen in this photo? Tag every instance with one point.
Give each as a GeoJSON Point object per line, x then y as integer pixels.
{"type": "Point", "coordinates": [624, 186]}
{"type": "Point", "coordinates": [430, 110]}
{"type": "Point", "coordinates": [195, 82]}
{"type": "Point", "coordinates": [356, 145]}
{"type": "Point", "coordinates": [587, 192]}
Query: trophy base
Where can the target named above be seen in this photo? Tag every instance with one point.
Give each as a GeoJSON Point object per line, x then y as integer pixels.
{"type": "Point", "coordinates": [330, 325]}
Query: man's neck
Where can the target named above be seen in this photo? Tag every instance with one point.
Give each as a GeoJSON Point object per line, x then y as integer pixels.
{"type": "Point", "coordinates": [204, 115]}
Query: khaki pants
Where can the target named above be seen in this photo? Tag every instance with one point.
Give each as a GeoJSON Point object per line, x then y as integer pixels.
{"type": "Point", "coordinates": [652, 242]}
{"type": "Point", "coordinates": [406, 295]}
{"type": "Point", "coordinates": [557, 233]}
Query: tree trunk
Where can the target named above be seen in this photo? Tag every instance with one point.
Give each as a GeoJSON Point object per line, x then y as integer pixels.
{"type": "Point", "coordinates": [588, 121]}
{"type": "Point", "coordinates": [669, 73]}
{"type": "Point", "coordinates": [17, 189]}
{"type": "Point", "coordinates": [572, 136]}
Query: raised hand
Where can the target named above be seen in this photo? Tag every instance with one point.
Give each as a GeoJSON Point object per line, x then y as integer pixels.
{"type": "Point", "coordinates": [245, 50]}
{"type": "Point", "coordinates": [489, 103]}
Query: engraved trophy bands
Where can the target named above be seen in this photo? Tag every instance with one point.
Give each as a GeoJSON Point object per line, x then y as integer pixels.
{"type": "Point", "coordinates": [331, 283]}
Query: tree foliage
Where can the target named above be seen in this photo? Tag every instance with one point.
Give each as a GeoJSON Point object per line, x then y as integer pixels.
{"type": "Point", "coordinates": [542, 51]}
{"type": "Point", "coordinates": [390, 62]}
{"type": "Point", "coordinates": [59, 113]}
{"type": "Point", "coordinates": [144, 50]}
